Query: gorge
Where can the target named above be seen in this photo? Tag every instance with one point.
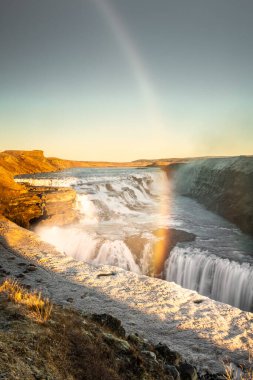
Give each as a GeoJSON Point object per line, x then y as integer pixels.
{"type": "Point", "coordinates": [128, 217]}
{"type": "Point", "coordinates": [105, 220]}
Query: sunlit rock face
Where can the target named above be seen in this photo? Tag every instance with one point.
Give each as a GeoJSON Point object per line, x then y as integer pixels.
{"type": "Point", "coordinates": [42, 205]}
{"type": "Point", "coordinates": [223, 185]}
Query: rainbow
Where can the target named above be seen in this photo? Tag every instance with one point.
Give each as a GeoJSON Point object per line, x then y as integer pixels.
{"type": "Point", "coordinates": [134, 59]}
{"type": "Point", "coordinates": [154, 114]}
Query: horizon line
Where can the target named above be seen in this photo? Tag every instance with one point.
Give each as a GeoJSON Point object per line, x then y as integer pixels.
{"type": "Point", "coordinates": [131, 161]}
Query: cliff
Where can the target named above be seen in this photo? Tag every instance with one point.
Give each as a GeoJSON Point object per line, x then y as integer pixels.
{"type": "Point", "coordinates": [223, 185]}
{"type": "Point", "coordinates": [26, 205]}
{"type": "Point", "coordinates": [42, 204]}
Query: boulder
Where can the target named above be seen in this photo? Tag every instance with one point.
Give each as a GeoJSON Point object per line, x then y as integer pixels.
{"type": "Point", "coordinates": [187, 372]}
{"type": "Point", "coordinates": [110, 322]}
{"type": "Point", "coordinates": [171, 357]}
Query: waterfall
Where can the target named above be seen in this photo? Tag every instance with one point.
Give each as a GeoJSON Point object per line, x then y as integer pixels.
{"type": "Point", "coordinates": [89, 247]}
{"type": "Point", "coordinates": [72, 241]}
{"type": "Point", "coordinates": [104, 196]}
{"type": "Point", "coordinates": [221, 279]}
{"type": "Point", "coordinates": [120, 211]}
{"type": "Point", "coordinates": [116, 253]}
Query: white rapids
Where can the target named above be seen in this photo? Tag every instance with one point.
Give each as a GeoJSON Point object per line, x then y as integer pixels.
{"type": "Point", "coordinates": [116, 205]}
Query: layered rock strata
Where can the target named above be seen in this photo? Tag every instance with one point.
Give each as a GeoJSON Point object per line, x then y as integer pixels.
{"type": "Point", "coordinates": [42, 204]}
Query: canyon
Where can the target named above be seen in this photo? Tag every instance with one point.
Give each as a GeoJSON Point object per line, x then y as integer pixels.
{"type": "Point", "coordinates": [223, 185]}
{"type": "Point", "coordinates": [159, 310]}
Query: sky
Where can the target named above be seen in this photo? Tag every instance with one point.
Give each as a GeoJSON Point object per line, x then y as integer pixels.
{"type": "Point", "coordinates": [118, 80]}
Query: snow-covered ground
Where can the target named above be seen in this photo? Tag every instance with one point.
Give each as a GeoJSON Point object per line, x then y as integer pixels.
{"type": "Point", "coordinates": [205, 332]}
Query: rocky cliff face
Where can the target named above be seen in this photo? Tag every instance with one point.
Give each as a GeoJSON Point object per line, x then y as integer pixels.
{"type": "Point", "coordinates": [223, 185]}
{"type": "Point", "coordinates": [26, 205]}
{"type": "Point", "coordinates": [44, 205]}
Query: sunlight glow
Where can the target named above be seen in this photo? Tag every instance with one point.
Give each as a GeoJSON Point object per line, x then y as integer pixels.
{"type": "Point", "coordinates": [160, 248]}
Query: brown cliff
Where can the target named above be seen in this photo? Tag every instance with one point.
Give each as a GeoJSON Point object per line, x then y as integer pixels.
{"type": "Point", "coordinates": [26, 205]}
{"type": "Point", "coordinates": [42, 204]}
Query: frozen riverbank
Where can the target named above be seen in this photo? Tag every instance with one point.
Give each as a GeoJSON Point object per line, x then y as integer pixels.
{"type": "Point", "coordinates": [205, 332]}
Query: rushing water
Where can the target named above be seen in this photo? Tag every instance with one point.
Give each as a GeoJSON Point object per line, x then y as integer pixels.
{"type": "Point", "coordinates": [120, 210]}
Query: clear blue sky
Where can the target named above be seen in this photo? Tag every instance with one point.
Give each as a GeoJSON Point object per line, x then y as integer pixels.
{"type": "Point", "coordinates": [120, 80]}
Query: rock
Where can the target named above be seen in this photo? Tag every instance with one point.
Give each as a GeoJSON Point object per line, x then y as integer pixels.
{"type": "Point", "coordinates": [31, 268]}
{"type": "Point", "coordinates": [150, 354]}
{"type": "Point", "coordinates": [141, 343]}
{"type": "Point", "coordinates": [167, 239]}
{"type": "Point", "coordinates": [198, 301]}
{"type": "Point", "coordinates": [136, 244]}
{"type": "Point", "coordinates": [59, 206]}
{"type": "Point", "coordinates": [134, 338]}
{"type": "Point", "coordinates": [21, 275]}
{"type": "Point", "coordinates": [121, 345]}
{"type": "Point", "coordinates": [171, 369]}
{"type": "Point", "coordinates": [187, 372]}
{"type": "Point", "coordinates": [171, 357]}
{"type": "Point", "coordinates": [42, 205]}
{"type": "Point", "coordinates": [110, 322]}
{"type": "Point", "coordinates": [106, 274]}
{"type": "Point", "coordinates": [26, 205]}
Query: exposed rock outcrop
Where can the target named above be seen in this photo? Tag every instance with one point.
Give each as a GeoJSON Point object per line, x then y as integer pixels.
{"type": "Point", "coordinates": [223, 185]}
{"type": "Point", "coordinates": [42, 204]}
{"type": "Point", "coordinates": [26, 205]}
{"type": "Point", "coordinates": [165, 240]}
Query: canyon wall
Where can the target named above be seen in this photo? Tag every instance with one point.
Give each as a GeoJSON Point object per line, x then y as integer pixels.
{"type": "Point", "coordinates": [222, 185]}
{"type": "Point", "coordinates": [42, 204]}
{"type": "Point", "coordinates": [26, 205]}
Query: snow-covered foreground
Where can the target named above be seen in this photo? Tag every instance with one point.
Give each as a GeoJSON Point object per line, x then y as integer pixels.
{"type": "Point", "coordinates": [205, 332]}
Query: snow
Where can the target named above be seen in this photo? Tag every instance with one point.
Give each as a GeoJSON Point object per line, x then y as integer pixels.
{"type": "Point", "coordinates": [205, 332]}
